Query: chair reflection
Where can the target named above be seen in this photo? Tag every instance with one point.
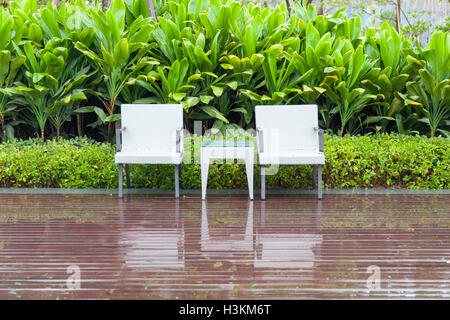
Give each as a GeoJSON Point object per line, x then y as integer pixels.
{"type": "Point", "coordinates": [156, 247]}
{"type": "Point", "coordinates": [287, 250]}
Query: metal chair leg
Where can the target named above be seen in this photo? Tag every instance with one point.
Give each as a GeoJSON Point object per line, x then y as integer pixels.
{"type": "Point", "coordinates": [263, 182]}
{"type": "Point", "coordinates": [127, 172]}
{"type": "Point", "coordinates": [177, 181]}
{"type": "Point", "coordinates": [319, 184]}
{"type": "Point", "coordinates": [120, 181]}
{"type": "Point", "coordinates": [314, 176]}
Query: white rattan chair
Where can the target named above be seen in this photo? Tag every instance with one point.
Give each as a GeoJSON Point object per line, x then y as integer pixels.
{"type": "Point", "coordinates": [289, 134]}
{"type": "Point", "coordinates": [150, 134]}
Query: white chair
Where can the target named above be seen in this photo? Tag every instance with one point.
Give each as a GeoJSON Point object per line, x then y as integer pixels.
{"type": "Point", "coordinates": [289, 134]}
{"type": "Point", "coordinates": [150, 134]}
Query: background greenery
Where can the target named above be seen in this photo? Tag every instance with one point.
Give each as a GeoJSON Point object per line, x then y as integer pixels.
{"type": "Point", "coordinates": [370, 161]}
{"type": "Point", "coordinates": [65, 71]}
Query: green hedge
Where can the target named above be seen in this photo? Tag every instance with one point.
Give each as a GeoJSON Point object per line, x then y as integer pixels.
{"type": "Point", "coordinates": [351, 162]}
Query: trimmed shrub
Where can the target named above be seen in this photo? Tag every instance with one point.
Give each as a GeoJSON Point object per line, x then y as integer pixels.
{"type": "Point", "coordinates": [375, 161]}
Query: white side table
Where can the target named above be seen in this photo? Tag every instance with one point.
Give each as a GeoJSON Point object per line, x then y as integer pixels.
{"type": "Point", "coordinates": [227, 150]}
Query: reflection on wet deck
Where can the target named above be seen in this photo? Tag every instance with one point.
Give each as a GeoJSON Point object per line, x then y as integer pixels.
{"type": "Point", "coordinates": [148, 246]}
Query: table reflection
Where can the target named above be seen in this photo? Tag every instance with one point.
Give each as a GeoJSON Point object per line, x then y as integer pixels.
{"type": "Point", "coordinates": [212, 244]}
{"type": "Point", "coordinates": [292, 248]}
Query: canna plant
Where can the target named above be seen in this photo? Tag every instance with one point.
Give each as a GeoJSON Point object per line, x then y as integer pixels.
{"type": "Point", "coordinates": [343, 81]}
{"type": "Point", "coordinates": [218, 58]}
{"type": "Point", "coordinates": [391, 52]}
{"type": "Point", "coordinates": [432, 88]}
{"type": "Point", "coordinates": [245, 73]}
{"type": "Point", "coordinates": [122, 56]}
{"type": "Point", "coordinates": [167, 87]}
{"type": "Point", "coordinates": [203, 42]}
{"type": "Point", "coordinates": [45, 91]}
{"type": "Point", "coordinates": [281, 81]}
{"type": "Point", "coordinates": [10, 65]}
{"type": "Point", "coordinates": [67, 21]}
{"type": "Point", "coordinates": [9, 68]}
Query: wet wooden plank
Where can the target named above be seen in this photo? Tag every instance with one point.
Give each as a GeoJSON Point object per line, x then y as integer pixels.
{"type": "Point", "coordinates": [290, 246]}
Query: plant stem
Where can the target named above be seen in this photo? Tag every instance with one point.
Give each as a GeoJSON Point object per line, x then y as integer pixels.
{"type": "Point", "coordinates": [288, 7]}
{"type": "Point", "coordinates": [397, 19]}
{"type": "Point", "coordinates": [152, 11]}
{"type": "Point", "coordinates": [109, 132]}
{"type": "Point", "coordinates": [2, 117]}
{"type": "Point", "coordinates": [80, 133]}
{"type": "Point", "coordinates": [321, 8]}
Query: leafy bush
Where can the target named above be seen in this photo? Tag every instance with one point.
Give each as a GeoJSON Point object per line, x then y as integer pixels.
{"type": "Point", "coordinates": [219, 59]}
{"type": "Point", "coordinates": [76, 163]}
{"type": "Point", "coordinates": [372, 161]}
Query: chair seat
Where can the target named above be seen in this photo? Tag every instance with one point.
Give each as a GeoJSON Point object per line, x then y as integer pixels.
{"type": "Point", "coordinates": [156, 157]}
{"type": "Point", "coordinates": [292, 157]}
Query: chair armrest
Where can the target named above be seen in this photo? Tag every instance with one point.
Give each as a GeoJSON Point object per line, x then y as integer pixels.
{"type": "Point", "coordinates": [118, 139]}
{"type": "Point", "coordinates": [260, 139]}
{"type": "Point", "coordinates": [321, 132]}
{"type": "Point", "coordinates": [179, 141]}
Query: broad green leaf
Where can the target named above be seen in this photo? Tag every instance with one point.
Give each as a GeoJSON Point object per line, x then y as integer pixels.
{"type": "Point", "coordinates": [233, 84]}
{"type": "Point", "coordinates": [14, 67]}
{"type": "Point", "coordinates": [35, 33]}
{"type": "Point", "coordinates": [213, 112]}
{"type": "Point", "coordinates": [206, 99]}
{"type": "Point", "coordinates": [191, 101]}
{"type": "Point", "coordinates": [100, 113]}
{"type": "Point", "coordinates": [217, 91]}
{"type": "Point", "coordinates": [121, 53]}
{"type": "Point", "coordinates": [112, 118]}
{"type": "Point", "coordinates": [5, 59]}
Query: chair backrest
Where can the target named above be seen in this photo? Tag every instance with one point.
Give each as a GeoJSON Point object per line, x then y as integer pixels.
{"type": "Point", "coordinates": [288, 127]}
{"type": "Point", "coordinates": [150, 127]}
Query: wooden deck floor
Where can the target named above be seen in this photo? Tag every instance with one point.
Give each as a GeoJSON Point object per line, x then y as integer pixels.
{"type": "Point", "coordinates": [288, 247]}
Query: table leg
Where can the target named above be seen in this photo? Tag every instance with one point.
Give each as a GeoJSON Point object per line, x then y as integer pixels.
{"type": "Point", "coordinates": [249, 169]}
{"type": "Point", "coordinates": [204, 169]}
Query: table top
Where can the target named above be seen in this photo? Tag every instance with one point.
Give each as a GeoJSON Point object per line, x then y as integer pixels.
{"type": "Point", "coordinates": [227, 143]}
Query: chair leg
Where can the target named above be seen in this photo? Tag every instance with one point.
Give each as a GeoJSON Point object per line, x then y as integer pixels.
{"type": "Point", "coordinates": [263, 182]}
{"type": "Point", "coordinates": [177, 180]}
{"type": "Point", "coordinates": [127, 172]}
{"type": "Point", "coordinates": [120, 181]}
{"type": "Point", "coordinates": [319, 184]}
{"type": "Point", "coordinates": [314, 176]}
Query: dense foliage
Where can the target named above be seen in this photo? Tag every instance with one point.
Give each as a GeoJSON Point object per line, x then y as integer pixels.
{"type": "Point", "coordinates": [370, 161]}
{"type": "Point", "coordinates": [62, 68]}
